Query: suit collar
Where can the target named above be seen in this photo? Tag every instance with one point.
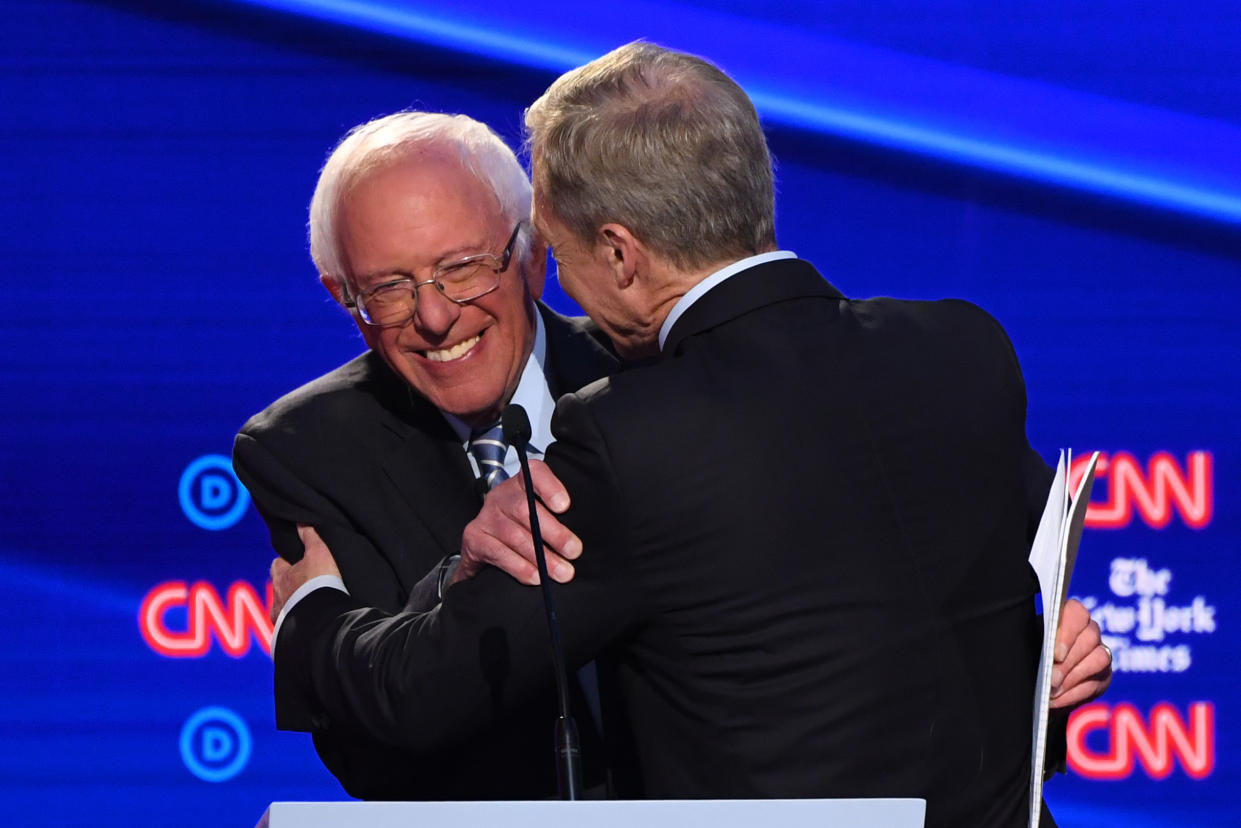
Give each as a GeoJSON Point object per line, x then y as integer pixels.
{"type": "Point", "coordinates": [692, 295]}
{"type": "Point", "coordinates": [422, 457]}
{"type": "Point", "coordinates": [743, 292]}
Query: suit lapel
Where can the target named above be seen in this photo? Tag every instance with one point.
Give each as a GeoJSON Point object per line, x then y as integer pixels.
{"type": "Point", "coordinates": [748, 290]}
{"type": "Point", "coordinates": [425, 462]}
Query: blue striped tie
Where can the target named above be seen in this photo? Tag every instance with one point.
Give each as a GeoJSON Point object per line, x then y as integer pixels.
{"type": "Point", "coordinates": [488, 448]}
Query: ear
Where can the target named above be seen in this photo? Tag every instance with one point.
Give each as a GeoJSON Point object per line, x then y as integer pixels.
{"type": "Point", "coordinates": [621, 253]}
{"type": "Point", "coordinates": [335, 287]}
{"type": "Point", "coordinates": [534, 266]}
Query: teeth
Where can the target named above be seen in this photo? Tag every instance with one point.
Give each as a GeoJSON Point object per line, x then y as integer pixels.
{"type": "Point", "coordinates": [455, 352]}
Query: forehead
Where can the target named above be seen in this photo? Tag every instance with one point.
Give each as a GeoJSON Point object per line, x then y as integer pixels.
{"type": "Point", "coordinates": [415, 210]}
{"type": "Point", "coordinates": [544, 219]}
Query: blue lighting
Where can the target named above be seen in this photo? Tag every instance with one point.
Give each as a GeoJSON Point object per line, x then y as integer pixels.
{"type": "Point", "coordinates": [422, 27]}
{"type": "Point", "coordinates": [1149, 189]}
{"type": "Point", "coordinates": [809, 81]}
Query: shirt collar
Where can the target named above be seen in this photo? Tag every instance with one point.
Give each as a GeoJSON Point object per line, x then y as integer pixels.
{"type": "Point", "coordinates": [696, 292]}
{"type": "Point", "coordinates": [532, 394]}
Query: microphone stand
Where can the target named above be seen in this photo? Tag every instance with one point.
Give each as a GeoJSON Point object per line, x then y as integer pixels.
{"type": "Point", "coordinates": [516, 426]}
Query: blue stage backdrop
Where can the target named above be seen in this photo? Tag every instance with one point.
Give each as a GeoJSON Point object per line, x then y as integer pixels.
{"type": "Point", "coordinates": [1074, 168]}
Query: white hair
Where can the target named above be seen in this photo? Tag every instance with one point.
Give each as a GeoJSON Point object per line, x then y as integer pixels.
{"type": "Point", "coordinates": [389, 139]}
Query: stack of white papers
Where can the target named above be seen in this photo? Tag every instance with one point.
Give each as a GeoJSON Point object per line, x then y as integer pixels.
{"type": "Point", "coordinates": [1053, 554]}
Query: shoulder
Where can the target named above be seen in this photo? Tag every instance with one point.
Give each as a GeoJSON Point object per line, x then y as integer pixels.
{"type": "Point", "coordinates": [329, 400]}
{"type": "Point", "coordinates": [931, 315]}
{"type": "Point", "coordinates": [945, 326]}
{"type": "Point", "coordinates": [622, 408]}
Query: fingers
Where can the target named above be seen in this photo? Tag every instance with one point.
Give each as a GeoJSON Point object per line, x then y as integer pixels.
{"type": "Point", "coordinates": [1080, 694]}
{"type": "Point", "coordinates": [500, 535]}
{"type": "Point", "coordinates": [1074, 618]}
{"type": "Point", "coordinates": [1086, 681]}
{"type": "Point", "coordinates": [317, 559]}
{"type": "Point", "coordinates": [279, 577]}
{"type": "Point", "coordinates": [480, 549]}
{"type": "Point", "coordinates": [312, 545]}
{"type": "Point", "coordinates": [507, 544]}
{"type": "Point", "coordinates": [286, 577]}
{"type": "Point", "coordinates": [548, 487]}
{"type": "Point", "coordinates": [557, 538]}
{"type": "Point", "coordinates": [562, 543]}
{"type": "Point", "coordinates": [1083, 663]}
{"type": "Point", "coordinates": [1076, 637]}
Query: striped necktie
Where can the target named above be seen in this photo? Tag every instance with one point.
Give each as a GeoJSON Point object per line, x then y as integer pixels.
{"type": "Point", "coordinates": [488, 448]}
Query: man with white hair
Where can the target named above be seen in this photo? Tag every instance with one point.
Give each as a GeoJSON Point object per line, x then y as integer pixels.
{"type": "Point", "coordinates": [419, 226]}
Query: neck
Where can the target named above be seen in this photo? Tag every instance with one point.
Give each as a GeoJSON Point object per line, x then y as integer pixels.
{"type": "Point", "coordinates": [663, 290]}
{"type": "Point", "coordinates": [666, 284]}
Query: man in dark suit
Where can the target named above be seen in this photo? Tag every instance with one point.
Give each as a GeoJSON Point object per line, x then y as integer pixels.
{"type": "Point", "coordinates": [374, 453]}
{"type": "Point", "coordinates": [805, 522]}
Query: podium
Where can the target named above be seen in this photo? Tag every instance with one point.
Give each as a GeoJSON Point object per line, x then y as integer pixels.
{"type": "Point", "coordinates": [667, 813]}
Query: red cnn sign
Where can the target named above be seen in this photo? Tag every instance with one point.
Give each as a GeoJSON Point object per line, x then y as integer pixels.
{"type": "Point", "coordinates": [1153, 492]}
{"type": "Point", "coordinates": [234, 622]}
{"type": "Point", "coordinates": [1158, 745]}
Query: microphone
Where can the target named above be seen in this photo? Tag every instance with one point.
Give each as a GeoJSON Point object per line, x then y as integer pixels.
{"type": "Point", "coordinates": [516, 426]}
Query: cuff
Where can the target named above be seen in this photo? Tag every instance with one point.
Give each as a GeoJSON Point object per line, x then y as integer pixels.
{"type": "Point", "coordinates": [448, 568]}
{"type": "Point", "coordinates": [318, 582]}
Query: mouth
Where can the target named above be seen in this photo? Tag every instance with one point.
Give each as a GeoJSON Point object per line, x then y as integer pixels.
{"type": "Point", "coordinates": [455, 352]}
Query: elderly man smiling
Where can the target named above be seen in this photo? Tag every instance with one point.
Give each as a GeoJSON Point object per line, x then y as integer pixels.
{"type": "Point", "coordinates": [420, 227]}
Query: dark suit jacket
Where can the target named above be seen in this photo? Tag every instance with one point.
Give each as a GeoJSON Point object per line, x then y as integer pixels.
{"type": "Point", "coordinates": [806, 529]}
{"type": "Point", "coordinates": [382, 476]}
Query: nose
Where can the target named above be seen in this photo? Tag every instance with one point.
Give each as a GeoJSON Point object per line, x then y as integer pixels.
{"type": "Point", "coordinates": [434, 314]}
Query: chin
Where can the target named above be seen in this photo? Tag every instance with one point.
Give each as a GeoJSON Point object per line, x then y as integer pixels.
{"type": "Point", "coordinates": [476, 408]}
{"type": "Point", "coordinates": [635, 347]}
{"type": "Point", "coordinates": [473, 414]}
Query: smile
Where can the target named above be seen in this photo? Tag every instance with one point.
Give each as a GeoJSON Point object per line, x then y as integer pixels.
{"type": "Point", "coordinates": [455, 352]}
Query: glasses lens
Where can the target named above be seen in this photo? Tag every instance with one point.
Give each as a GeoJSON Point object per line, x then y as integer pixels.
{"type": "Point", "coordinates": [390, 305]}
{"type": "Point", "coordinates": [470, 279]}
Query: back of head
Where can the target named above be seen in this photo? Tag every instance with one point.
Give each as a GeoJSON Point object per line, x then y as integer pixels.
{"type": "Point", "coordinates": [661, 142]}
{"type": "Point", "coordinates": [392, 138]}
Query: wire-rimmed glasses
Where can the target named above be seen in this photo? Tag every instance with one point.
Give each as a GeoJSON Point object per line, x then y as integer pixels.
{"type": "Point", "coordinates": [394, 301]}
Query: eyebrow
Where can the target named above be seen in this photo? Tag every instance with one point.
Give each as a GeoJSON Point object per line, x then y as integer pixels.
{"type": "Point", "coordinates": [376, 277]}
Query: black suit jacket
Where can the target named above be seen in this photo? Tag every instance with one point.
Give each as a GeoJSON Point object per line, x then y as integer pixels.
{"type": "Point", "coordinates": [381, 475]}
{"type": "Point", "coordinates": [806, 529]}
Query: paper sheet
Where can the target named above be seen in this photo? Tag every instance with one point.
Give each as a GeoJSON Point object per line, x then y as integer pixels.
{"type": "Point", "coordinates": [1053, 555]}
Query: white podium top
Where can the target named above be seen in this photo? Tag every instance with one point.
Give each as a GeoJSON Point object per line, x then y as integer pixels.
{"type": "Point", "coordinates": [706, 813]}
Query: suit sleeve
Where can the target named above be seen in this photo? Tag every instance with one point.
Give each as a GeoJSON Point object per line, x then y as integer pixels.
{"type": "Point", "coordinates": [1037, 477]}
{"type": "Point", "coordinates": [285, 499]}
{"type": "Point", "coordinates": [424, 681]}
{"type": "Point", "coordinates": [365, 768]}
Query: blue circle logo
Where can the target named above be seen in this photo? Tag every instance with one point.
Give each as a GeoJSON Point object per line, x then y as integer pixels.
{"type": "Point", "coordinates": [215, 744]}
{"type": "Point", "coordinates": [211, 495]}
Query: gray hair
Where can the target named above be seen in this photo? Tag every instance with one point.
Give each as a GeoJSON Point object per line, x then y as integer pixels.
{"type": "Point", "coordinates": [391, 138]}
{"type": "Point", "coordinates": [661, 142]}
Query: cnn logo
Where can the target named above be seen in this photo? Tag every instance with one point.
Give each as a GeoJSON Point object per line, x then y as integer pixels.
{"type": "Point", "coordinates": [1153, 492]}
{"type": "Point", "coordinates": [234, 622]}
{"type": "Point", "coordinates": [1158, 744]}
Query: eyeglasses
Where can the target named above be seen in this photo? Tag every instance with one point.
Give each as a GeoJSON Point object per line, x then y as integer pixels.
{"type": "Point", "coordinates": [393, 302]}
